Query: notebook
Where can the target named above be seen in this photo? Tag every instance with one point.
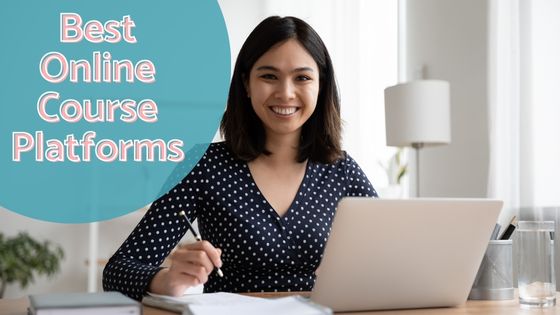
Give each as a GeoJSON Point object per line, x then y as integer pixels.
{"type": "Point", "coordinates": [234, 304]}
{"type": "Point", "coordinates": [106, 303]}
{"type": "Point", "coordinates": [396, 254]}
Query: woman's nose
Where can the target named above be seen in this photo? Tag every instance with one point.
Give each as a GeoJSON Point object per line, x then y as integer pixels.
{"type": "Point", "coordinates": [285, 90]}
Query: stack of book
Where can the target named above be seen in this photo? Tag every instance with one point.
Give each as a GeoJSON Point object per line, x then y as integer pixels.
{"type": "Point", "coordinates": [105, 303]}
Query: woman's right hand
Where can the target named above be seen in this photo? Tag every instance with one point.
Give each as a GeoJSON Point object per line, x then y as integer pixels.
{"type": "Point", "coordinates": [190, 266]}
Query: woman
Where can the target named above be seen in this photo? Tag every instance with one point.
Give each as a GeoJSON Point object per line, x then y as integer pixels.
{"type": "Point", "coordinates": [265, 198]}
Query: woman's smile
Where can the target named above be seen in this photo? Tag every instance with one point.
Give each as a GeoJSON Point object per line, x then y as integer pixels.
{"type": "Point", "coordinates": [284, 111]}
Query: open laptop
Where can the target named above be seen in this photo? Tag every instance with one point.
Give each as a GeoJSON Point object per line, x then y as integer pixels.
{"type": "Point", "coordinates": [395, 254]}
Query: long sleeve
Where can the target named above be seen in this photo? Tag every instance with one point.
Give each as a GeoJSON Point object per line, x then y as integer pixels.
{"type": "Point", "coordinates": [138, 259]}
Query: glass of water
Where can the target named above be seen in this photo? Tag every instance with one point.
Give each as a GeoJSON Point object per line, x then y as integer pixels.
{"type": "Point", "coordinates": [536, 280]}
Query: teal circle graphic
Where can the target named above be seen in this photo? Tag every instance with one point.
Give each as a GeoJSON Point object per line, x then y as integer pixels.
{"type": "Point", "coordinates": [106, 105]}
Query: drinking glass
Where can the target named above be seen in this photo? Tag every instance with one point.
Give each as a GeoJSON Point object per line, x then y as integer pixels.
{"type": "Point", "coordinates": [535, 277]}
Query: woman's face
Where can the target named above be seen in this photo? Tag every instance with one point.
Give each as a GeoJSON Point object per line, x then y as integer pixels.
{"type": "Point", "coordinates": [283, 87]}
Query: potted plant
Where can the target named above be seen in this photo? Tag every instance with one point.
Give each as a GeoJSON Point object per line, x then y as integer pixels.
{"type": "Point", "coordinates": [396, 169]}
{"type": "Point", "coordinates": [22, 257]}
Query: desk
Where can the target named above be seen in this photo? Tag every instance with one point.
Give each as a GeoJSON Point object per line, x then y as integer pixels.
{"type": "Point", "coordinates": [508, 307]}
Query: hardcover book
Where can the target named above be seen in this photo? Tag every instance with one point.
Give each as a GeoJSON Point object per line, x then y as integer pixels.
{"type": "Point", "coordinates": [106, 303]}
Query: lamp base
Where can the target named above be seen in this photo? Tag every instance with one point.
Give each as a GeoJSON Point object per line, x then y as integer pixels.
{"type": "Point", "coordinates": [417, 146]}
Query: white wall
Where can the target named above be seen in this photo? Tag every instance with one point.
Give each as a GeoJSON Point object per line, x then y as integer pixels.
{"type": "Point", "coordinates": [449, 38]}
{"type": "Point", "coordinates": [251, 12]}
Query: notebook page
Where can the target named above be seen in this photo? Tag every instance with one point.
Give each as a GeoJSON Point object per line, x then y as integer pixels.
{"type": "Point", "coordinates": [219, 298]}
{"type": "Point", "coordinates": [286, 305]}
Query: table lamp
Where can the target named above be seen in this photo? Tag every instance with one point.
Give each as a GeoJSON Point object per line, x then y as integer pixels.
{"type": "Point", "coordinates": [417, 114]}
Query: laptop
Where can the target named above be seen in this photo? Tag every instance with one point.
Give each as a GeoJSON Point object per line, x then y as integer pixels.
{"type": "Point", "coordinates": [398, 254]}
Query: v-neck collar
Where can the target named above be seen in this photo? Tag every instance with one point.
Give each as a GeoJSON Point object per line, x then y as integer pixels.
{"type": "Point", "coordinates": [298, 192]}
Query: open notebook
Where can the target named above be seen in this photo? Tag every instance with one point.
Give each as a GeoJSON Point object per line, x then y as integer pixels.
{"type": "Point", "coordinates": [233, 304]}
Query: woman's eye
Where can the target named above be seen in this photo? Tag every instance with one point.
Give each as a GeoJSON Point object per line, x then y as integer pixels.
{"type": "Point", "coordinates": [268, 76]}
{"type": "Point", "coordinates": [303, 78]}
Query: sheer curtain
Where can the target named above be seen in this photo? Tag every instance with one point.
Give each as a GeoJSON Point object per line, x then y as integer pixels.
{"type": "Point", "coordinates": [361, 36]}
{"type": "Point", "coordinates": [524, 68]}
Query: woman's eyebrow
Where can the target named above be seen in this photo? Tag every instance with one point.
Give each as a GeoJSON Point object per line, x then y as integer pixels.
{"type": "Point", "coordinates": [272, 68]}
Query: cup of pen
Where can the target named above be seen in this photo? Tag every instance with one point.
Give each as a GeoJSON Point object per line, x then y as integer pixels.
{"type": "Point", "coordinates": [494, 280]}
{"type": "Point", "coordinates": [535, 274]}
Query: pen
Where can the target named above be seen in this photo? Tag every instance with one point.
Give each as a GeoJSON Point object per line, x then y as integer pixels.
{"type": "Point", "coordinates": [509, 230]}
{"type": "Point", "coordinates": [218, 270]}
{"type": "Point", "coordinates": [495, 232]}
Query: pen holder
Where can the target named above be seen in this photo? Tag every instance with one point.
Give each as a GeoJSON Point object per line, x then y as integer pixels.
{"type": "Point", "coordinates": [494, 280]}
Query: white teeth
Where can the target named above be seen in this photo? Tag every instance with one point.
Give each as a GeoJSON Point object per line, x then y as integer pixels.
{"type": "Point", "coordinates": [284, 110]}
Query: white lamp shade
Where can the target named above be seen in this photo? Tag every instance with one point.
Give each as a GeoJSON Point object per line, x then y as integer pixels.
{"type": "Point", "coordinates": [417, 112]}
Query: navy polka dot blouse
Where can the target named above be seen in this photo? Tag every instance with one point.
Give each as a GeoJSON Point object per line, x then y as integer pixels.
{"type": "Point", "coordinates": [261, 251]}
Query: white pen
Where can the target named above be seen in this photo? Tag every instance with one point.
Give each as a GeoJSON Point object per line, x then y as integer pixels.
{"type": "Point", "coordinates": [218, 270]}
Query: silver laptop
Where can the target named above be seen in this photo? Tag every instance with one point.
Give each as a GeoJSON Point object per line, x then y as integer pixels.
{"type": "Point", "coordinates": [396, 254]}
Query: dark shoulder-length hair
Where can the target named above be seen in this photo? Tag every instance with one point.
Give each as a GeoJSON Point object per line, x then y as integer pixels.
{"type": "Point", "coordinates": [241, 128]}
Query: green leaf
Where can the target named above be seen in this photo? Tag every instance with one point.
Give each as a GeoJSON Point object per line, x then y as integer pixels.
{"type": "Point", "coordinates": [402, 172]}
{"type": "Point", "coordinates": [22, 258]}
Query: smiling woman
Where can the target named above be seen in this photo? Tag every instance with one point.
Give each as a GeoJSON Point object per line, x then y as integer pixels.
{"type": "Point", "coordinates": [291, 67]}
{"type": "Point", "coordinates": [266, 197]}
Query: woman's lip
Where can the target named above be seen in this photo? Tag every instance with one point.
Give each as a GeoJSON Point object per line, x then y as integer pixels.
{"type": "Point", "coordinates": [284, 111]}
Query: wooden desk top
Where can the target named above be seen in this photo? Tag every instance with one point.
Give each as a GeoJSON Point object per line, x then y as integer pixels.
{"type": "Point", "coordinates": [508, 307]}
